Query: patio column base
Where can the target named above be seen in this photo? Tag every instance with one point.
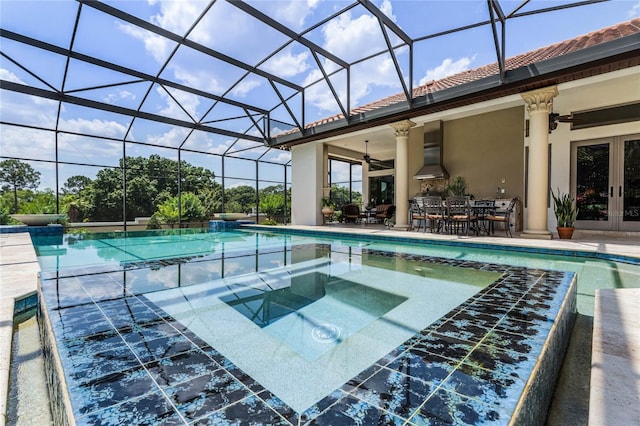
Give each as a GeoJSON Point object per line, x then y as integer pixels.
{"type": "Point", "coordinates": [536, 235]}
{"type": "Point", "coordinates": [400, 227]}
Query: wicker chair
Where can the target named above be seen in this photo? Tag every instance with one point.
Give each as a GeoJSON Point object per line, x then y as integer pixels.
{"type": "Point", "coordinates": [384, 211]}
{"type": "Point", "coordinates": [350, 213]}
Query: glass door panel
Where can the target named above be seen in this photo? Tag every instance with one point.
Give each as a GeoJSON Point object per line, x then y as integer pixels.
{"type": "Point", "coordinates": [630, 190]}
{"type": "Point", "coordinates": [592, 182]}
{"type": "Point", "coordinates": [605, 175]}
{"type": "Point", "coordinates": [381, 189]}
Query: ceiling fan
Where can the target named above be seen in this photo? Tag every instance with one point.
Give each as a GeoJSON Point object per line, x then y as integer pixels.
{"type": "Point", "coordinates": [366, 157]}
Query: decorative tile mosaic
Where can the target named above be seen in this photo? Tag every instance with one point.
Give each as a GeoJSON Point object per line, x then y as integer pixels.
{"type": "Point", "coordinates": [126, 361]}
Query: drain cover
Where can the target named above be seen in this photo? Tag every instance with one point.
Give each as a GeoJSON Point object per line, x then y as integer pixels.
{"type": "Point", "coordinates": [325, 333]}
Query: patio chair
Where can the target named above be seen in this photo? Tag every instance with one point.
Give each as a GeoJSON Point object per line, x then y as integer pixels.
{"type": "Point", "coordinates": [503, 217]}
{"type": "Point", "coordinates": [434, 212]}
{"type": "Point", "coordinates": [416, 214]}
{"type": "Point", "coordinates": [384, 211]}
{"type": "Point", "coordinates": [459, 215]}
{"type": "Point", "coordinates": [482, 209]}
{"type": "Point", "coordinates": [350, 213]}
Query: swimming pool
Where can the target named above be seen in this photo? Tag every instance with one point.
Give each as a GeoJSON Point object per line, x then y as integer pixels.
{"type": "Point", "coordinates": [286, 329]}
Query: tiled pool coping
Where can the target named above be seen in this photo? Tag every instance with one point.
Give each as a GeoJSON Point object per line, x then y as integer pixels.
{"type": "Point", "coordinates": [507, 244]}
{"type": "Point", "coordinates": [455, 369]}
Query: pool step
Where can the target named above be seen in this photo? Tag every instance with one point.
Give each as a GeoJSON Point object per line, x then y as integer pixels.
{"type": "Point", "coordinates": [615, 361]}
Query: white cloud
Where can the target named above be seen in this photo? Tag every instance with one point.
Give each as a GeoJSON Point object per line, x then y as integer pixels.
{"type": "Point", "coordinates": [353, 39]}
{"type": "Point", "coordinates": [207, 143]}
{"type": "Point", "coordinates": [286, 64]}
{"type": "Point", "coordinates": [446, 68]}
{"type": "Point", "coordinates": [340, 171]}
{"type": "Point", "coordinates": [178, 16]}
{"type": "Point", "coordinates": [29, 110]}
{"type": "Point", "coordinates": [201, 79]}
{"type": "Point", "coordinates": [634, 11]}
{"type": "Point", "coordinates": [172, 138]}
{"type": "Point", "coordinates": [94, 127]}
{"type": "Point", "coordinates": [188, 101]}
{"type": "Point", "coordinates": [244, 87]}
{"type": "Point", "coordinates": [9, 76]}
{"type": "Point", "coordinates": [155, 45]}
{"type": "Point", "coordinates": [282, 156]}
{"type": "Point", "coordinates": [27, 143]}
{"type": "Point", "coordinates": [113, 98]}
{"type": "Point", "coordinates": [74, 147]}
{"type": "Point", "coordinates": [294, 12]}
{"type": "Point", "coordinates": [386, 8]}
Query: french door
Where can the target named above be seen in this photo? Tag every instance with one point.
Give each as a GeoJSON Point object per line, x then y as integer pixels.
{"type": "Point", "coordinates": [605, 179]}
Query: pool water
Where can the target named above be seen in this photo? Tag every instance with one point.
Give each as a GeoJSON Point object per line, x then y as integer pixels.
{"type": "Point", "coordinates": [245, 326]}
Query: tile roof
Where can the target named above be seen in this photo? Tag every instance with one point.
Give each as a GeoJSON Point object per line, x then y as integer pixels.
{"type": "Point", "coordinates": [558, 49]}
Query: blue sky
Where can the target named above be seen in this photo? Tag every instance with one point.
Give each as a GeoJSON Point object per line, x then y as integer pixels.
{"type": "Point", "coordinates": [352, 36]}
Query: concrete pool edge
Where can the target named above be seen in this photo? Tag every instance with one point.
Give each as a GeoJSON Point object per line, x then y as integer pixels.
{"type": "Point", "coordinates": [19, 275]}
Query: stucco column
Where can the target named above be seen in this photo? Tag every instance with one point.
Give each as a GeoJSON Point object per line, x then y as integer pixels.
{"type": "Point", "coordinates": [326, 190]}
{"type": "Point", "coordinates": [402, 172]}
{"type": "Point", "coordinates": [539, 103]}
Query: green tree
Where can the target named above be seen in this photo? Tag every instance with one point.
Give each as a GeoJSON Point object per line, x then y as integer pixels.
{"type": "Point", "coordinates": [279, 194]}
{"type": "Point", "coordinates": [105, 195]}
{"type": "Point", "coordinates": [76, 185]}
{"type": "Point", "coordinates": [15, 175]}
{"type": "Point", "coordinates": [340, 196]}
{"type": "Point", "coordinates": [168, 211]}
{"type": "Point", "coordinates": [239, 199]}
{"type": "Point", "coordinates": [211, 199]}
{"type": "Point", "coordinates": [272, 205]}
{"type": "Point", "coordinates": [75, 199]}
{"type": "Point", "coordinates": [150, 182]}
{"type": "Point", "coordinates": [37, 202]}
{"type": "Point", "coordinates": [192, 209]}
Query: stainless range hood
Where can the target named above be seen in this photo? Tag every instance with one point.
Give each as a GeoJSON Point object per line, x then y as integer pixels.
{"type": "Point", "coordinates": [433, 171]}
{"type": "Point", "coordinates": [433, 168]}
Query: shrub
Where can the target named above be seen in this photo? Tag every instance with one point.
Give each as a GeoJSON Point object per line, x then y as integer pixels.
{"type": "Point", "coordinates": [154, 222]}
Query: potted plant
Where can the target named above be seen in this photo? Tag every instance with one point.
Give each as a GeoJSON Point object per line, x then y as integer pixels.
{"type": "Point", "coordinates": [328, 207]}
{"type": "Point", "coordinates": [458, 186]}
{"type": "Point", "coordinates": [566, 214]}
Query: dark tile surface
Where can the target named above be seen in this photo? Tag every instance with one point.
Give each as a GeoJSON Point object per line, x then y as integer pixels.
{"type": "Point", "coordinates": [128, 362]}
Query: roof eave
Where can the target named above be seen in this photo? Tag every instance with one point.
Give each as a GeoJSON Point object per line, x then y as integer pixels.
{"type": "Point", "coordinates": [623, 52]}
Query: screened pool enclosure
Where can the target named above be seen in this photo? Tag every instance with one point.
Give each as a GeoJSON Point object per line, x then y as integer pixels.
{"type": "Point", "coordinates": [112, 111]}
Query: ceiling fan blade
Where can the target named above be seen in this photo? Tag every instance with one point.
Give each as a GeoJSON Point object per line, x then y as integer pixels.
{"type": "Point", "coordinates": [567, 118]}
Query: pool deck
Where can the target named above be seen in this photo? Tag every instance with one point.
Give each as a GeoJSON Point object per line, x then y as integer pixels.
{"type": "Point", "coordinates": [19, 268]}
{"type": "Point", "coordinates": [19, 278]}
{"type": "Point", "coordinates": [615, 362]}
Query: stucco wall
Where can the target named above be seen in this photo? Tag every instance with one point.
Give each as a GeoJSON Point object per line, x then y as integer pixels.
{"type": "Point", "coordinates": [486, 148]}
{"type": "Point", "coordinates": [416, 159]}
{"type": "Point", "coordinates": [306, 183]}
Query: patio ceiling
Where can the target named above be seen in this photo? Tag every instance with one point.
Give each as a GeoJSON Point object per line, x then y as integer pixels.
{"type": "Point", "coordinates": [227, 77]}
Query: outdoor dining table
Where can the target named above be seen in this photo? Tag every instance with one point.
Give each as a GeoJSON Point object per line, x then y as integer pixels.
{"type": "Point", "coordinates": [481, 209]}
